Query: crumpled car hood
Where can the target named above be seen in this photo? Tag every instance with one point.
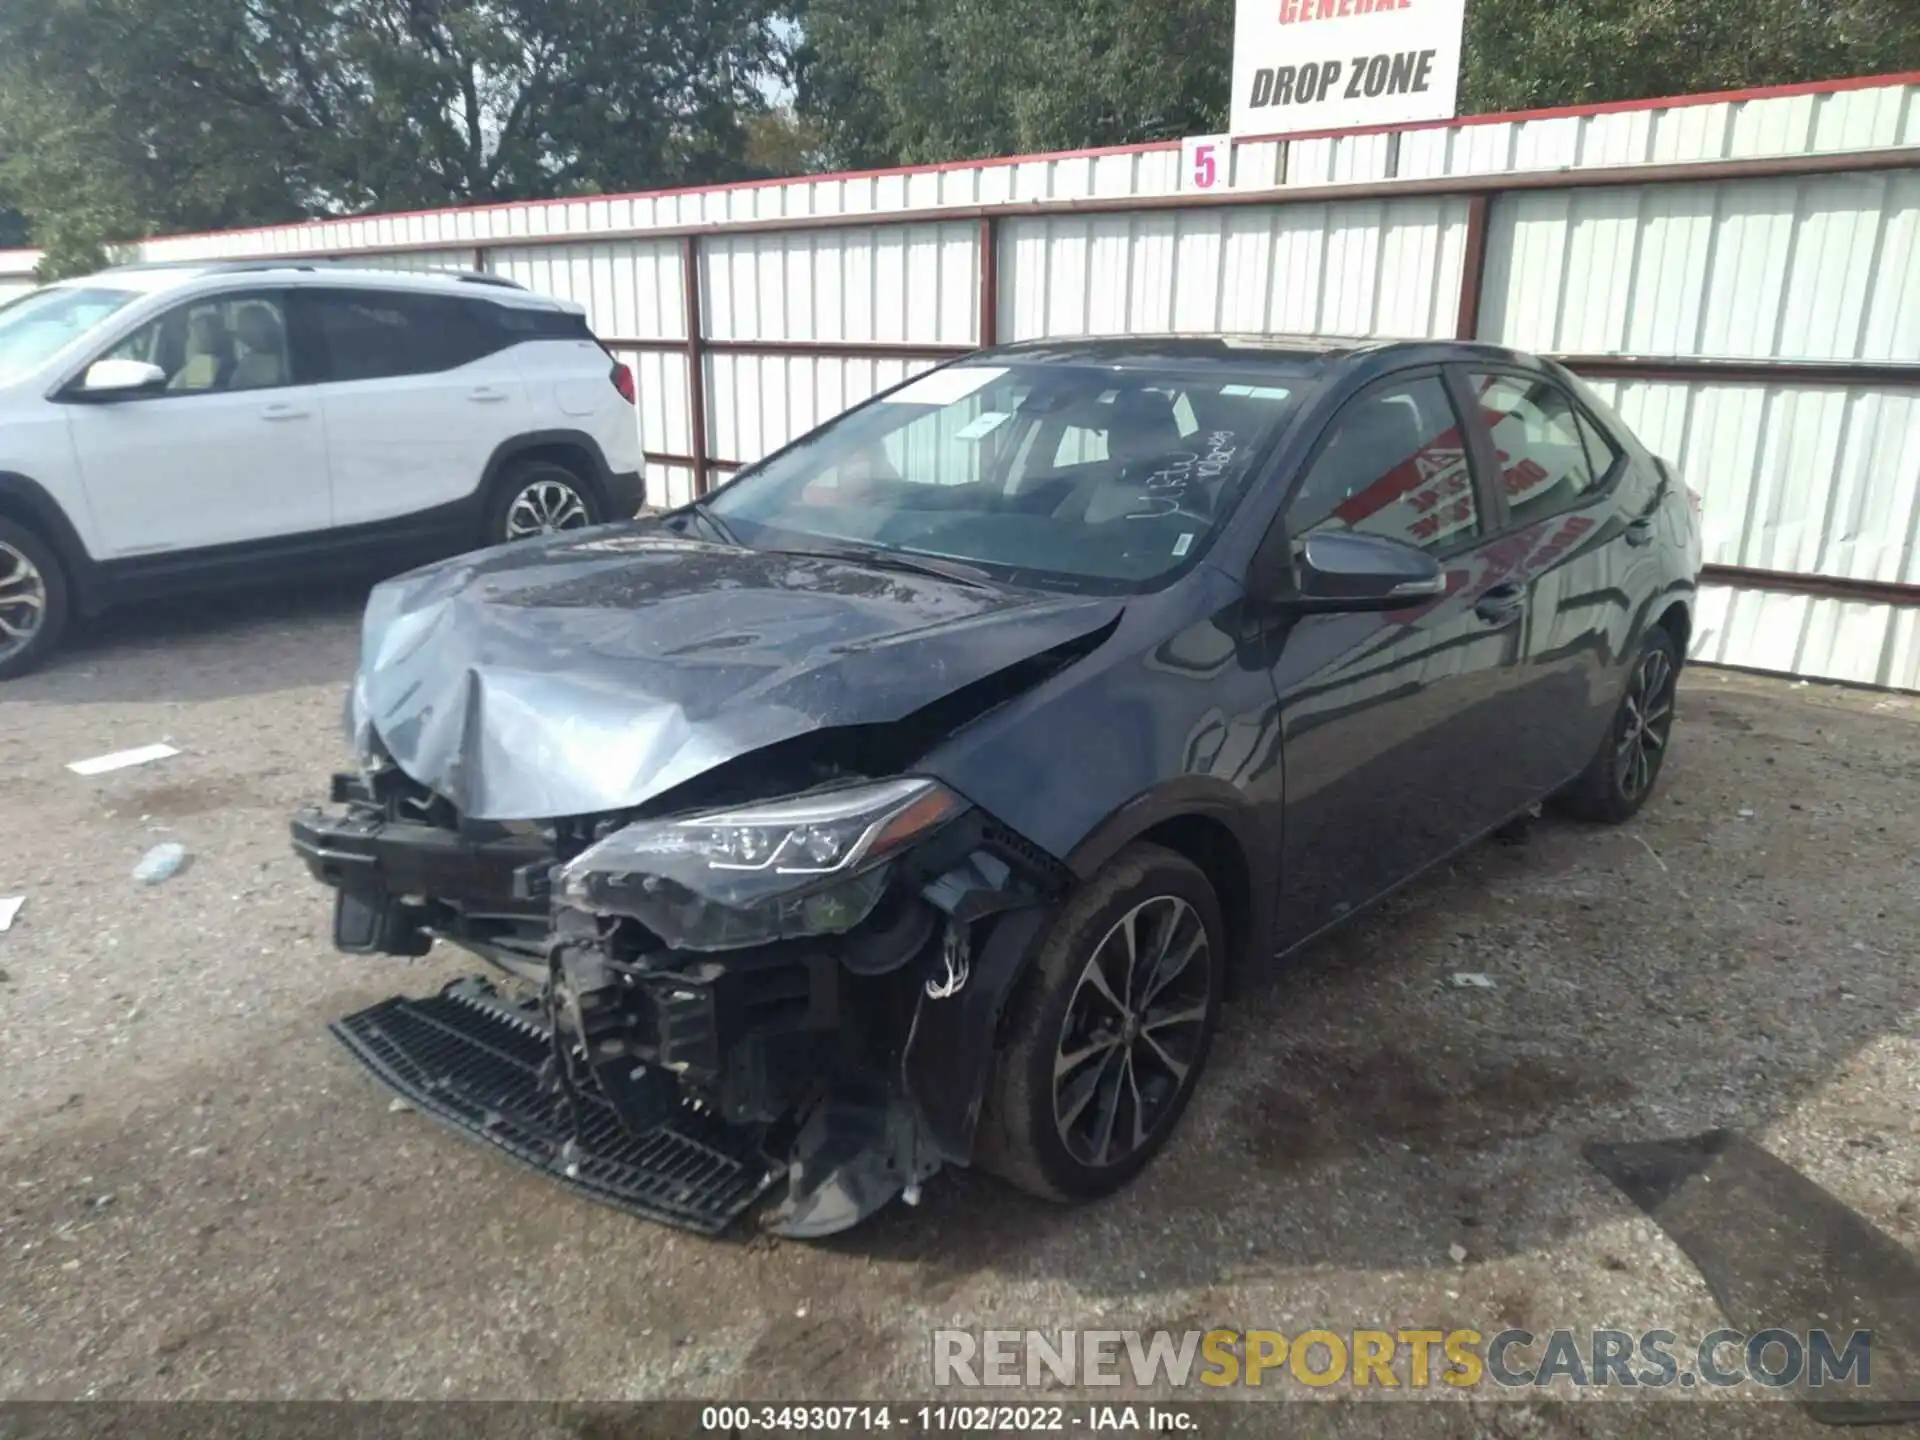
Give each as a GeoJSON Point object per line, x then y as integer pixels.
{"type": "Point", "coordinates": [577, 675]}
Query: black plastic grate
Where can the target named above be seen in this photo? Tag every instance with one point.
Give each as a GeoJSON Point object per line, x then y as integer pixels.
{"type": "Point", "coordinates": [475, 1065]}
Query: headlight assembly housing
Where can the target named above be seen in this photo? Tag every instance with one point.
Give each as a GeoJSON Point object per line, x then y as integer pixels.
{"type": "Point", "coordinates": [813, 864]}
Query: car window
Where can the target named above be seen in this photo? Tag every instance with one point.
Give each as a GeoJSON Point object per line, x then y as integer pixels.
{"type": "Point", "coordinates": [377, 334]}
{"type": "Point", "coordinates": [1601, 451]}
{"type": "Point", "coordinates": [1392, 464]}
{"type": "Point", "coordinates": [1537, 437]}
{"type": "Point", "coordinates": [41, 323]}
{"type": "Point", "coordinates": [1054, 473]}
{"type": "Point", "coordinates": [215, 343]}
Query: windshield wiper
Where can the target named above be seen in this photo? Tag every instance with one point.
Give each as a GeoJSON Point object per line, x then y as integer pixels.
{"type": "Point", "coordinates": [712, 521]}
{"type": "Point", "coordinates": [880, 558]}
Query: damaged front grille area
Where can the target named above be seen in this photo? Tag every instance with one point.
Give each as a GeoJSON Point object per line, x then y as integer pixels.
{"type": "Point", "coordinates": [475, 1061]}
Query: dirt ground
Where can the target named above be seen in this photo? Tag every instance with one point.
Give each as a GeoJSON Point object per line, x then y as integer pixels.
{"type": "Point", "coordinates": [202, 1196]}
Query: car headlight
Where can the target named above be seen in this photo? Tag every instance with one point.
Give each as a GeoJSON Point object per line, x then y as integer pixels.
{"type": "Point", "coordinates": [809, 865]}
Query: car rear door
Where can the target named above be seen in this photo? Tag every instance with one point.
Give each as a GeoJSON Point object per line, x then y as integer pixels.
{"type": "Point", "coordinates": [419, 391]}
{"type": "Point", "coordinates": [1570, 542]}
{"type": "Point", "coordinates": [1394, 722]}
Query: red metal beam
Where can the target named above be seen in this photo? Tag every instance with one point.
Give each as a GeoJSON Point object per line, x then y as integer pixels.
{"type": "Point", "coordinates": [1473, 269]}
{"type": "Point", "coordinates": [1829, 587]}
{"type": "Point", "coordinates": [1742, 372]}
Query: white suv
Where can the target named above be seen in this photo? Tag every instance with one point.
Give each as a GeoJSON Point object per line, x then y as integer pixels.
{"type": "Point", "coordinates": [170, 428]}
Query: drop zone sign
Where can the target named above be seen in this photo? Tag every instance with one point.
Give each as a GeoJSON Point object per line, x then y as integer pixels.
{"type": "Point", "coordinates": [1309, 65]}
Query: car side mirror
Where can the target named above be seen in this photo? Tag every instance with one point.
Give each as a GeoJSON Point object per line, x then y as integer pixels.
{"type": "Point", "coordinates": [121, 379]}
{"type": "Point", "coordinates": [1338, 571]}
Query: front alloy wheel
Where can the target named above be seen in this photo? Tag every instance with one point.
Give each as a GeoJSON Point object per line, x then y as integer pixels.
{"type": "Point", "coordinates": [1134, 1029]}
{"type": "Point", "coordinates": [1108, 1033]}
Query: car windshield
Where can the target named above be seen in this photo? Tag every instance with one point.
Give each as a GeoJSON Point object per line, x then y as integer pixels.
{"type": "Point", "coordinates": [1093, 477]}
{"type": "Point", "coordinates": [37, 326]}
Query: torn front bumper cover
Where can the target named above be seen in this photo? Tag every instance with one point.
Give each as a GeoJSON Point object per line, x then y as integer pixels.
{"type": "Point", "coordinates": [689, 1034]}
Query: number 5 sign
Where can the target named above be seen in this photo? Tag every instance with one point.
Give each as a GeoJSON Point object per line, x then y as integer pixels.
{"type": "Point", "coordinates": [1204, 162]}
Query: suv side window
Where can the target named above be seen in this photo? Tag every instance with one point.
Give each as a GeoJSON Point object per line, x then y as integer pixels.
{"type": "Point", "coordinates": [216, 343]}
{"type": "Point", "coordinates": [1393, 464]}
{"type": "Point", "coordinates": [1537, 434]}
{"type": "Point", "coordinates": [378, 334]}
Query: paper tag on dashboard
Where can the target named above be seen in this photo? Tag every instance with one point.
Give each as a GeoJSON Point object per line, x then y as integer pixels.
{"type": "Point", "coordinates": [982, 425]}
{"type": "Point", "coordinates": [943, 387]}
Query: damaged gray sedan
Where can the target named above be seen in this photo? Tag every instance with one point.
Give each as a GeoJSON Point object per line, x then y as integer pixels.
{"type": "Point", "coordinates": [916, 798]}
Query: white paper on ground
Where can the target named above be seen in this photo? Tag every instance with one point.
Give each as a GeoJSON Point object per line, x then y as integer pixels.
{"type": "Point", "coordinates": [9, 907]}
{"type": "Point", "coordinates": [943, 387]}
{"type": "Point", "coordinates": [121, 759]}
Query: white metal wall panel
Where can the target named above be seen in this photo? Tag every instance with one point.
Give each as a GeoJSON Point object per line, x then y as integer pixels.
{"type": "Point", "coordinates": [900, 283]}
{"type": "Point", "coordinates": [1816, 480]}
{"type": "Point", "coordinates": [1817, 268]}
{"type": "Point", "coordinates": [1807, 635]}
{"type": "Point", "coordinates": [631, 288]}
{"type": "Point", "coordinates": [1360, 268]}
{"type": "Point", "coordinates": [417, 262]}
{"type": "Point", "coordinates": [757, 403]}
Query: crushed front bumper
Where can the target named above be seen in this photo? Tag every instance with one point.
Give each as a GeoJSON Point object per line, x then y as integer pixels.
{"type": "Point", "coordinates": [481, 1063]}
{"type": "Point", "coordinates": [681, 1086]}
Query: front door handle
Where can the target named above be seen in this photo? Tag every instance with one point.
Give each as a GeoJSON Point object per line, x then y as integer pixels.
{"type": "Point", "coordinates": [1502, 604]}
{"type": "Point", "coordinates": [284, 412]}
{"type": "Point", "coordinates": [485, 394]}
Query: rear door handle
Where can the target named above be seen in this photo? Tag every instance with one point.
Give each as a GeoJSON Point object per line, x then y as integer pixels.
{"type": "Point", "coordinates": [284, 412]}
{"type": "Point", "coordinates": [1502, 604]}
{"type": "Point", "coordinates": [1640, 532]}
{"type": "Point", "coordinates": [485, 394]}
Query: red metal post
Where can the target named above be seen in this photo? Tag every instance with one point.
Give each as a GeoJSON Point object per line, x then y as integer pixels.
{"type": "Point", "coordinates": [696, 360]}
{"type": "Point", "coordinates": [989, 329]}
{"type": "Point", "coordinates": [1473, 270]}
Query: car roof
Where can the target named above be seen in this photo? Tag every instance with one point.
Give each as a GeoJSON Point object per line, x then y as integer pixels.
{"type": "Point", "coordinates": [1294, 354]}
{"type": "Point", "coordinates": [159, 277]}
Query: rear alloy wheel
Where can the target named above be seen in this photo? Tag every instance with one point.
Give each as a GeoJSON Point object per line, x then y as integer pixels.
{"type": "Point", "coordinates": [33, 600]}
{"type": "Point", "coordinates": [1620, 777]}
{"type": "Point", "coordinates": [540, 498]}
{"type": "Point", "coordinates": [1110, 1031]}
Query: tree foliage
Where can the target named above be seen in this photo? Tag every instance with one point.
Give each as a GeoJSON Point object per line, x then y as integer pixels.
{"type": "Point", "coordinates": [122, 117]}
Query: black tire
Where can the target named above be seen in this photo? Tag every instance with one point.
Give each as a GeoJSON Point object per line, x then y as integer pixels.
{"type": "Point", "coordinates": [30, 572]}
{"type": "Point", "coordinates": [1626, 767]}
{"type": "Point", "coordinates": [526, 488]}
{"type": "Point", "coordinates": [1058, 1012]}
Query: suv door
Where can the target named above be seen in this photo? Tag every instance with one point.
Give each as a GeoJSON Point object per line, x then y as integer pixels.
{"type": "Point", "coordinates": [233, 448]}
{"type": "Point", "coordinates": [1567, 501]}
{"type": "Point", "coordinates": [1393, 723]}
{"type": "Point", "coordinates": [418, 394]}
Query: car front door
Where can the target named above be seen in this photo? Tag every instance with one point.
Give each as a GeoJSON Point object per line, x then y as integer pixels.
{"type": "Point", "coordinates": [232, 448]}
{"type": "Point", "coordinates": [417, 396]}
{"type": "Point", "coordinates": [1392, 722]}
{"type": "Point", "coordinates": [1568, 496]}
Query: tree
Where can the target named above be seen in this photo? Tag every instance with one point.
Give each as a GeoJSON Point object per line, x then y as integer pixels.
{"type": "Point", "coordinates": [121, 118]}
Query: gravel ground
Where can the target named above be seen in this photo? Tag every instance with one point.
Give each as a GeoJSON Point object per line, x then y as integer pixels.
{"type": "Point", "coordinates": [201, 1196]}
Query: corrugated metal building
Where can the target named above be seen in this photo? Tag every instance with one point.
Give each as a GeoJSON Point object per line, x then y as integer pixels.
{"type": "Point", "coordinates": [1738, 274]}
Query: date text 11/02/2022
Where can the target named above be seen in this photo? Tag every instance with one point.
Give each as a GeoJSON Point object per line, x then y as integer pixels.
{"type": "Point", "coordinates": [929, 1419]}
{"type": "Point", "coordinates": [1402, 73]}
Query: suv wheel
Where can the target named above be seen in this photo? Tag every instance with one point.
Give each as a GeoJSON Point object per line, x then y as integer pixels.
{"type": "Point", "coordinates": [1110, 1030]}
{"type": "Point", "coordinates": [33, 600]}
{"type": "Point", "coordinates": [539, 497]}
